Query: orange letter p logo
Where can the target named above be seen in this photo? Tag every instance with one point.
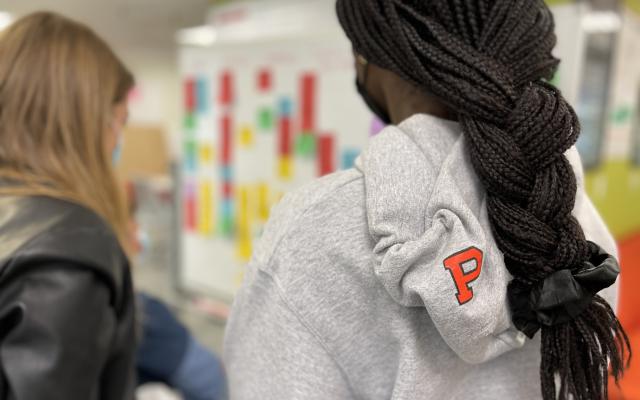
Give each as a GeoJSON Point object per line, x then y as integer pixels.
{"type": "Point", "coordinates": [455, 265]}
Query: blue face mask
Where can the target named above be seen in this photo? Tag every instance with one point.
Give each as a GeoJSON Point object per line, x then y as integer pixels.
{"type": "Point", "coordinates": [116, 155]}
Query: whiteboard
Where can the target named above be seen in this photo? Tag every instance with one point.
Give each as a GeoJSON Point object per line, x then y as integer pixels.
{"type": "Point", "coordinates": [306, 82]}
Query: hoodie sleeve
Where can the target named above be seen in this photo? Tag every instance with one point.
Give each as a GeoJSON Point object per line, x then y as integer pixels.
{"type": "Point", "coordinates": [271, 354]}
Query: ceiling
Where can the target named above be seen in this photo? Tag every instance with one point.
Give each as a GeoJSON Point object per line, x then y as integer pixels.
{"type": "Point", "coordinates": [149, 24]}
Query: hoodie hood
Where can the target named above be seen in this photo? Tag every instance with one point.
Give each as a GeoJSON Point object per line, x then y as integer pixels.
{"type": "Point", "coordinates": [433, 246]}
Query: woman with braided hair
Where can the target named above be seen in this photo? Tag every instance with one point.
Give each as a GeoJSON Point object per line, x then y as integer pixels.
{"type": "Point", "coordinates": [461, 258]}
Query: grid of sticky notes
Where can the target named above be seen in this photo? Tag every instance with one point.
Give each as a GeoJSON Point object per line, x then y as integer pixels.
{"type": "Point", "coordinates": [217, 200]}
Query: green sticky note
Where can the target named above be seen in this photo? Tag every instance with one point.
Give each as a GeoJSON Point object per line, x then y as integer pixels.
{"type": "Point", "coordinates": [265, 119]}
{"type": "Point", "coordinates": [226, 225]}
{"type": "Point", "coordinates": [190, 122]}
{"type": "Point", "coordinates": [190, 159]}
{"type": "Point", "coordinates": [306, 145]}
{"type": "Point", "coordinates": [621, 115]}
{"type": "Point", "coordinates": [555, 80]}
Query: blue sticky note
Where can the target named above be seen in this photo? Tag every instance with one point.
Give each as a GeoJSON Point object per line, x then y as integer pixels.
{"type": "Point", "coordinates": [349, 157]}
{"type": "Point", "coordinates": [285, 106]}
{"type": "Point", "coordinates": [226, 173]}
{"type": "Point", "coordinates": [227, 208]}
{"type": "Point", "coordinates": [190, 155]}
{"type": "Point", "coordinates": [202, 95]}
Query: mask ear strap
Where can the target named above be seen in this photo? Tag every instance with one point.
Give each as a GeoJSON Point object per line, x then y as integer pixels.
{"type": "Point", "coordinates": [363, 61]}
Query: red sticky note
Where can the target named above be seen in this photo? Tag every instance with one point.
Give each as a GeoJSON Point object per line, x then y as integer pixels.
{"type": "Point", "coordinates": [265, 80]}
{"type": "Point", "coordinates": [190, 95]}
{"type": "Point", "coordinates": [284, 136]}
{"type": "Point", "coordinates": [227, 190]}
{"type": "Point", "coordinates": [190, 216]}
{"type": "Point", "coordinates": [308, 103]}
{"type": "Point", "coordinates": [226, 139]}
{"type": "Point", "coordinates": [226, 88]}
{"type": "Point", "coordinates": [326, 154]}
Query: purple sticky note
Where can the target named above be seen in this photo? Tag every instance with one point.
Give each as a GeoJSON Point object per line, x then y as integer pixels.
{"type": "Point", "coordinates": [376, 126]}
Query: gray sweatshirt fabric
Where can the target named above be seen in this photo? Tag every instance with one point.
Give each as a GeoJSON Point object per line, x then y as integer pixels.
{"type": "Point", "coordinates": [347, 295]}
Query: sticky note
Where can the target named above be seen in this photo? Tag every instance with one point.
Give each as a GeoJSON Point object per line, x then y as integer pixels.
{"type": "Point", "coordinates": [226, 173]}
{"type": "Point", "coordinates": [226, 88]}
{"type": "Point", "coordinates": [226, 218]}
{"type": "Point", "coordinates": [376, 126]}
{"type": "Point", "coordinates": [308, 101]}
{"type": "Point", "coordinates": [243, 237]}
{"type": "Point", "coordinates": [265, 80]}
{"type": "Point", "coordinates": [205, 208]}
{"type": "Point", "coordinates": [284, 136]}
{"type": "Point", "coordinates": [263, 206]}
{"type": "Point", "coordinates": [190, 95]}
{"type": "Point", "coordinates": [244, 248]}
{"type": "Point", "coordinates": [202, 95]}
{"type": "Point", "coordinates": [285, 106]}
{"type": "Point", "coordinates": [246, 136]}
{"type": "Point", "coordinates": [285, 167]}
{"type": "Point", "coordinates": [190, 122]}
{"type": "Point", "coordinates": [190, 155]}
{"type": "Point", "coordinates": [621, 115]}
{"type": "Point", "coordinates": [226, 140]}
{"type": "Point", "coordinates": [326, 148]}
{"type": "Point", "coordinates": [206, 153]}
{"type": "Point", "coordinates": [189, 202]}
{"type": "Point", "coordinates": [349, 157]}
{"type": "Point", "coordinates": [265, 119]}
{"type": "Point", "coordinates": [239, 278]}
{"type": "Point", "coordinates": [227, 190]}
{"type": "Point", "coordinates": [306, 145]}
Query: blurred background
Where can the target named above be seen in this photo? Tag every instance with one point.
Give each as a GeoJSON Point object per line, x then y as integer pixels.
{"type": "Point", "coordinates": [238, 102]}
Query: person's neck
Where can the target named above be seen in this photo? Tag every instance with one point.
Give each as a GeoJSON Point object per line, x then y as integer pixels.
{"type": "Point", "coordinates": [404, 101]}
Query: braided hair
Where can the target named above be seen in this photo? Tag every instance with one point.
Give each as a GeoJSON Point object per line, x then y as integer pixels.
{"type": "Point", "coordinates": [488, 60]}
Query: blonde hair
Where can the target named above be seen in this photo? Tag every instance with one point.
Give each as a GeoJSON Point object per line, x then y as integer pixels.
{"type": "Point", "coordinates": [59, 83]}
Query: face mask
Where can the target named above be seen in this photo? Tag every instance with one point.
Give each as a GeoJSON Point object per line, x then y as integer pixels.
{"type": "Point", "coordinates": [375, 108]}
{"type": "Point", "coordinates": [381, 113]}
{"type": "Point", "coordinates": [116, 155]}
{"type": "Point", "coordinates": [144, 241]}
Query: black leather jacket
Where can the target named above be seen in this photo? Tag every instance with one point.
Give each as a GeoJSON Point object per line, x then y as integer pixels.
{"type": "Point", "coordinates": [67, 329]}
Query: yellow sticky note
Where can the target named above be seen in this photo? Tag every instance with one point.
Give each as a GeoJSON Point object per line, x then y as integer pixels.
{"type": "Point", "coordinates": [285, 167]}
{"type": "Point", "coordinates": [277, 197]}
{"type": "Point", "coordinates": [244, 249]}
{"type": "Point", "coordinates": [206, 153]}
{"type": "Point", "coordinates": [263, 205]}
{"type": "Point", "coordinates": [244, 235]}
{"type": "Point", "coordinates": [246, 136]}
{"type": "Point", "coordinates": [239, 277]}
{"type": "Point", "coordinates": [205, 208]}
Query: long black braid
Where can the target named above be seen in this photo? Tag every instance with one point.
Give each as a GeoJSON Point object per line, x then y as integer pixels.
{"type": "Point", "coordinates": [487, 59]}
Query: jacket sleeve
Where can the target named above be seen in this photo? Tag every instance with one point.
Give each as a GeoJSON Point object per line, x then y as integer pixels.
{"type": "Point", "coordinates": [271, 354]}
{"type": "Point", "coordinates": [58, 326]}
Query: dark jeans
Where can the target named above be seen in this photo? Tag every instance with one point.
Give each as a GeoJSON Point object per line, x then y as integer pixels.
{"type": "Point", "coordinates": [169, 354]}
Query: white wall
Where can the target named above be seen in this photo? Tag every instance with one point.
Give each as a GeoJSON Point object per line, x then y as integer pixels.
{"type": "Point", "coordinates": [157, 97]}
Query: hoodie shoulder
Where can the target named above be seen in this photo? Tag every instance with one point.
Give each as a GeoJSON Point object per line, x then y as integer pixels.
{"type": "Point", "coordinates": [304, 209]}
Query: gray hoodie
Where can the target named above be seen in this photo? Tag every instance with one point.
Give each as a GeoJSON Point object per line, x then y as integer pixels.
{"type": "Point", "coordinates": [385, 282]}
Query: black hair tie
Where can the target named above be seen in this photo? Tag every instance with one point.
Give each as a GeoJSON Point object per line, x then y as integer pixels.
{"type": "Point", "coordinates": [563, 295]}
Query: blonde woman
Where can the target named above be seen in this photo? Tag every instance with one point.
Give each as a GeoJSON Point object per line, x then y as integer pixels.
{"type": "Point", "coordinates": [66, 301]}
